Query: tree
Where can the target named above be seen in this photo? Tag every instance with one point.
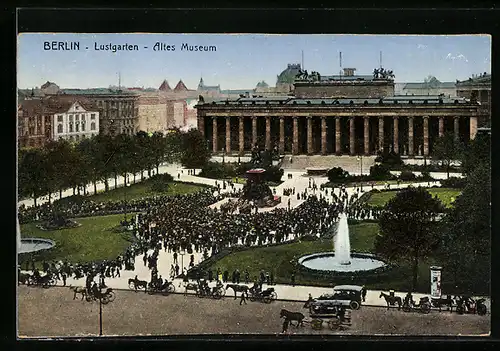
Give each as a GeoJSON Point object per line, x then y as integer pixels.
{"type": "Point", "coordinates": [32, 173]}
{"type": "Point", "coordinates": [59, 154]}
{"type": "Point", "coordinates": [337, 175]}
{"type": "Point", "coordinates": [158, 149]}
{"type": "Point", "coordinates": [407, 226]}
{"type": "Point", "coordinates": [446, 151]}
{"type": "Point", "coordinates": [195, 152]}
{"type": "Point", "coordinates": [475, 153]}
{"type": "Point", "coordinates": [466, 242]}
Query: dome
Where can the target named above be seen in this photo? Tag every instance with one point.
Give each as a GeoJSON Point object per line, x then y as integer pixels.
{"type": "Point", "coordinates": [288, 75]}
{"type": "Point", "coordinates": [262, 84]}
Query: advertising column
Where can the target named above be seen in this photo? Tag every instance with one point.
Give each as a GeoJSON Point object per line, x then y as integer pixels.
{"type": "Point", "coordinates": [436, 282]}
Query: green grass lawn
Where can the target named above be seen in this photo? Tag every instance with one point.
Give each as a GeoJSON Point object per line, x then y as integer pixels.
{"type": "Point", "coordinates": [96, 239]}
{"type": "Point", "coordinates": [374, 182]}
{"type": "Point", "coordinates": [278, 259]}
{"type": "Point", "coordinates": [141, 190]}
{"type": "Point", "coordinates": [444, 194]}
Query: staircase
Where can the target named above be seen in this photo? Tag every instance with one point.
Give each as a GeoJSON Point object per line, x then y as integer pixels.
{"type": "Point", "coordinates": [349, 163]}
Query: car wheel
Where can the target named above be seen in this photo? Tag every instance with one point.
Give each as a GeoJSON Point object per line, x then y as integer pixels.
{"type": "Point", "coordinates": [354, 305]}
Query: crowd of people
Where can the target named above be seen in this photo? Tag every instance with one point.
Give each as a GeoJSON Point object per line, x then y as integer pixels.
{"type": "Point", "coordinates": [187, 223]}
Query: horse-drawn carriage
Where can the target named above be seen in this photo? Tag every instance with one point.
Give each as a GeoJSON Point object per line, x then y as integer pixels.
{"type": "Point", "coordinates": [164, 288]}
{"type": "Point", "coordinates": [204, 290]}
{"type": "Point", "coordinates": [44, 281]}
{"type": "Point", "coordinates": [105, 297]}
{"type": "Point", "coordinates": [467, 305]}
{"type": "Point", "coordinates": [338, 320]}
{"type": "Point", "coordinates": [266, 296]}
{"type": "Point", "coordinates": [424, 305]}
{"type": "Point", "coordinates": [136, 284]}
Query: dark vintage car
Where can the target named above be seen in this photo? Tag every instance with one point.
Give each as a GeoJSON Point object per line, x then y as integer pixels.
{"type": "Point", "coordinates": [347, 296]}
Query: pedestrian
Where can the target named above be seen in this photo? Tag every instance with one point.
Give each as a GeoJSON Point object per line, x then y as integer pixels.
{"type": "Point", "coordinates": [210, 275]}
{"type": "Point", "coordinates": [271, 279]}
{"type": "Point", "coordinates": [292, 279]}
{"type": "Point", "coordinates": [247, 276]}
{"type": "Point", "coordinates": [363, 293]}
{"type": "Point", "coordinates": [177, 269]}
{"type": "Point", "coordinates": [175, 257]}
{"type": "Point", "coordinates": [63, 275]}
{"type": "Point", "coordinates": [243, 299]}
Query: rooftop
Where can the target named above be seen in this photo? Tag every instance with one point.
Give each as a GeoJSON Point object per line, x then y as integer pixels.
{"type": "Point", "coordinates": [288, 100]}
{"type": "Point", "coordinates": [95, 91]}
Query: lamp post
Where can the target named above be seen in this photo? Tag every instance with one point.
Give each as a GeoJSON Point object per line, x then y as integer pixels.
{"type": "Point", "coordinates": [182, 253]}
{"type": "Point", "coordinates": [360, 158]}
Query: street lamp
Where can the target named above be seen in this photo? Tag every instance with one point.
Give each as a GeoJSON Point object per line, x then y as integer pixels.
{"type": "Point", "coordinates": [360, 158]}
{"type": "Point", "coordinates": [182, 253]}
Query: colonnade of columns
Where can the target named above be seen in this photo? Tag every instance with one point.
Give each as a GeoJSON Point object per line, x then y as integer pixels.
{"type": "Point", "coordinates": [338, 133]}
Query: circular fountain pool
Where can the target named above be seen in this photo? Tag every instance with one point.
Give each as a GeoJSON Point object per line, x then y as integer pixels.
{"type": "Point", "coordinates": [326, 261]}
{"type": "Point", "coordinates": [28, 245]}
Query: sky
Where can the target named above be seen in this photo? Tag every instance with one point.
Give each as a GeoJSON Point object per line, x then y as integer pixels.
{"type": "Point", "coordinates": [242, 60]}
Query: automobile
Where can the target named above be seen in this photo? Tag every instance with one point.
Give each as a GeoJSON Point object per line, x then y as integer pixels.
{"type": "Point", "coordinates": [346, 296]}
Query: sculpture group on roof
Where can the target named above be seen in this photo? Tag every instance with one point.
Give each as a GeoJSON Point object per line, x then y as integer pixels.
{"type": "Point", "coordinates": [381, 73]}
{"type": "Point", "coordinates": [304, 75]}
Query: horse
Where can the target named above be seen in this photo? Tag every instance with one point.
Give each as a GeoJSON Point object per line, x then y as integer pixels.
{"type": "Point", "coordinates": [78, 290]}
{"type": "Point", "coordinates": [191, 286]}
{"type": "Point", "coordinates": [449, 301]}
{"type": "Point", "coordinates": [237, 288]}
{"type": "Point", "coordinates": [391, 300]}
{"type": "Point", "coordinates": [138, 284]}
{"type": "Point", "coordinates": [293, 316]}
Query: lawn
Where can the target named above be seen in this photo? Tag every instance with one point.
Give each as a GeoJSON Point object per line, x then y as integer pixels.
{"type": "Point", "coordinates": [278, 259]}
{"type": "Point", "coordinates": [446, 195]}
{"type": "Point", "coordinates": [143, 189]}
{"type": "Point", "coordinates": [368, 184]}
{"type": "Point", "coordinates": [96, 239]}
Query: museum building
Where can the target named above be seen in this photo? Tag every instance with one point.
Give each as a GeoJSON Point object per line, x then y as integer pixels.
{"type": "Point", "coordinates": [346, 114]}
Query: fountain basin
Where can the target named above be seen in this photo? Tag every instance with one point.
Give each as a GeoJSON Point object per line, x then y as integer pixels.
{"type": "Point", "coordinates": [28, 245]}
{"type": "Point", "coordinates": [328, 262]}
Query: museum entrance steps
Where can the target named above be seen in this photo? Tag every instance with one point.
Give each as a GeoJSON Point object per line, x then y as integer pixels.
{"type": "Point", "coordinates": [350, 163]}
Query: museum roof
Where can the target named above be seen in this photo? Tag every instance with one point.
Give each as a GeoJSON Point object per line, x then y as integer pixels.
{"type": "Point", "coordinates": [96, 91]}
{"type": "Point", "coordinates": [440, 85]}
{"type": "Point", "coordinates": [288, 100]}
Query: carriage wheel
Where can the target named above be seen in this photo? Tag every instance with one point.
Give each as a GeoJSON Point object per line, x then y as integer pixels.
{"type": "Point", "coordinates": [460, 310]}
{"type": "Point", "coordinates": [425, 308]}
{"type": "Point", "coordinates": [481, 309]}
{"type": "Point", "coordinates": [406, 307]}
{"type": "Point", "coordinates": [267, 299]}
{"type": "Point", "coordinates": [354, 305]}
{"type": "Point", "coordinates": [317, 324]}
{"type": "Point", "coordinates": [251, 298]}
{"type": "Point", "coordinates": [274, 296]}
{"type": "Point", "coordinates": [88, 298]}
{"type": "Point", "coordinates": [105, 300]}
{"type": "Point", "coordinates": [217, 295]}
{"type": "Point", "coordinates": [111, 296]}
{"type": "Point", "coordinates": [334, 324]}
{"type": "Point", "coordinates": [170, 288]}
{"type": "Point", "coordinates": [131, 285]}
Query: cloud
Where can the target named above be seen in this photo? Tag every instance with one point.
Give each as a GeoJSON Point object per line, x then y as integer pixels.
{"type": "Point", "coordinates": [421, 46]}
{"type": "Point", "coordinates": [458, 57]}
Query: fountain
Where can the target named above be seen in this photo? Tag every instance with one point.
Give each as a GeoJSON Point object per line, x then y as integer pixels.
{"type": "Point", "coordinates": [342, 260]}
{"type": "Point", "coordinates": [29, 245]}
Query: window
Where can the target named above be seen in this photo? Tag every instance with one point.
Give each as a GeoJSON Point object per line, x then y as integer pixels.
{"type": "Point", "coordinates": [83, 126]}
{"type": "Point", "coordinates": [77, 118]}
{"type": "Point", "coordinates": [70, 118]}
{"type": "Point", "coordinates": [76, 107]}
{"type": "Point", "coordinates": [77, 129]}
{"type": "Point", "coordinates": [83, 118]}
{"type": "Point", "coordinates": [92, 116]}
{"type": "Point", "coordinates": [59, 128]}
{"type": "Point", "coordinates": [71, 127]}
{"type": "Point", "coordinates": [59, 118]}
{"type": "Point", "coordinates": [92, 126]}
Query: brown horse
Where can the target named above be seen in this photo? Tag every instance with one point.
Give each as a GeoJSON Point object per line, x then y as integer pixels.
{"type": "Point", "coordinates": [237, 288]}
{"type": "Point", "coordinates": [293, 316]}
{"type": "Point", "coordinates": [391, 300]}
{"type": "Point", "coordinates": [78, 290]}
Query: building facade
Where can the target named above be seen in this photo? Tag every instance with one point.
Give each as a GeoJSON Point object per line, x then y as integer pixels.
{"type": "Point", "coordinates": [34, 123]}
{"type": "Point", "coordinates": [478, 88]}
{"type": "Point", "coordinates": [309, 124]}
{"type": "Point", "coordinates": [75, 123]}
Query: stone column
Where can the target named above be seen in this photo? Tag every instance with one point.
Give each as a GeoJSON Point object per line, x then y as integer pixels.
{"type": "Point", "coordinates": [310, 149]}
{"type": "Point", "coordinates": [456, 128]}
{"type": "Point", "coordinates": [323, 135]}
{"type": "Point", "coordinates": [367, 135]}
{"type": "Point", "coordinates": [295, 148]}
{"type": "Point", "coordinates": [201, 125]}
{"type": "Point", "coordinates": [410, 136]}
{"type": "Point", "coordinates": [396, 135]}
{"type": "Point", "coordinates": [426, 135]}
{"type": "Point", "coordinates": [254, 131]}
{"type": "Point", "coordinates": [214, 135]}
{"type": "Point", "coordinates": [282, 135]}
{"type": "Point", "coordinates": [473, 127]}
{"type": "Point", "coordinates": [352, 139]}
{"type": "Point", "coordinates": [381, 133]}
{"type": "Point", "coordinates": [441, 126]}
{"type": "Point", "coordinates": [268, 133]}
{"type": "Point", "coordinates": [338, 135]}
{"type": "Point", "coordinates": [241, 120]}
{"type": "Point", "coordinates": [228, 135]}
